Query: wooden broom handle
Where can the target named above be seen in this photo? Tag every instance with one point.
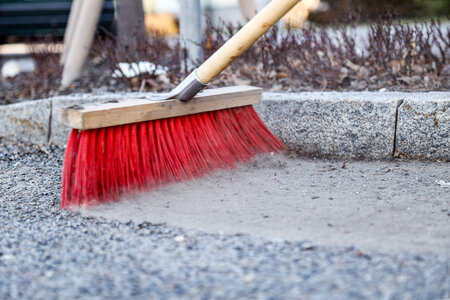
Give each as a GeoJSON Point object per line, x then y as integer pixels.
{"type": "Point", "coordinates": [244, 38]}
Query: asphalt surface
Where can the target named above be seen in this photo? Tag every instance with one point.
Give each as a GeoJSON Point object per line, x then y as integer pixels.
{"type": "Point", "coordinates": [48, 253]}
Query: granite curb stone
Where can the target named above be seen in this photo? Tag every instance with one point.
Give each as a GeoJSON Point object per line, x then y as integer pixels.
{"type": "Point", "coordinates": [26, 122]}
{"type": "Point", "coordinates": [354, 125]}
{"type": "Point", "coordinates": [423, 126]}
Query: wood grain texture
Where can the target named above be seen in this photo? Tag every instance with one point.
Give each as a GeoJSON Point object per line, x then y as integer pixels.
{"type": "Point", "coordinates": [119, 112]}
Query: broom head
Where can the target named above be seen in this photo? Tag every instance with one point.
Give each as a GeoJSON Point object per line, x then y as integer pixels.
{"type": "Point", "coordinates": [124, 147]}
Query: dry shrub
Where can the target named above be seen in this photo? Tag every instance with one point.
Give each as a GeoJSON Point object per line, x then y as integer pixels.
{"type": "Point", "coordinates": [396, 56]}
{"type": "Point", "coordinates": [41, 83]}
{"type": "Point", "coordinates": [48, 71]}
{"type": "Point", "coordinates": [156, 48]}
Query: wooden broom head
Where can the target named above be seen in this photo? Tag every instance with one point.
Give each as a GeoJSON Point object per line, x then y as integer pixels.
{"type": "Point", "coordinates": [120, 112]}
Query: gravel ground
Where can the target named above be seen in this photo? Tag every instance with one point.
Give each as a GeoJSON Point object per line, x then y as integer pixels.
{"type": "Point", "coordinates": [47, 253]}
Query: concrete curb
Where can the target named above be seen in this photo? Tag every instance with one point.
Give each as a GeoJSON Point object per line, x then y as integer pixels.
{"type": "Point", "coordinates": [363, 125]}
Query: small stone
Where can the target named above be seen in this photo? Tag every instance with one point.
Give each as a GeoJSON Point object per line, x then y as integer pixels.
{"type": "Point", "coordinates": [249, 278]}
{"type": "Point", "coordinates": [307, 246]}
{"type": "Point", "coordinates": [180, 239]}
{"type": "Point", "coordinates": [443, 183]}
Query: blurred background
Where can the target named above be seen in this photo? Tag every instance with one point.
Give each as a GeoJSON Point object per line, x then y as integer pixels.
{"type": "Point", "coordinates": [20, 19]}
{"type": "Point", "coordinates": [318, 45]}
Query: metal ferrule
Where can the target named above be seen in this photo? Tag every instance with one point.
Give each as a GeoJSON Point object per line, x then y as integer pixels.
{"type": "Point", "coordinates": [189, 87]}
{"type": "Point", "coordinates": [184, 91]}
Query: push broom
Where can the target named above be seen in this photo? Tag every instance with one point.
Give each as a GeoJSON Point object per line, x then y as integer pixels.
{"type": "Point", "coordinates": [119, 148]}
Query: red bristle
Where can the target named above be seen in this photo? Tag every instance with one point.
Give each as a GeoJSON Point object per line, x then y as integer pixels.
{"type": "Point", "coordinates": [266, 139]}
{"type": "Point", "coordinates": [146, 160]}
{"type": "Point", "coordinates": [250, 133]}
{"type": "Point", "coordinates": [173, 160]}
{"type": "Point", "coordinates": [80, 185]}
{"type": "Point", "coordinates": [216, 147]}
{"type": "Point", "coordinates": [240, 146]}
{"type": "Point", "coordinates": [197, 156]}
{"type": "Point", "coordinates": [92, 190]}
{"type": "Point", "coordinates": [85, 186]}
{"type": "Point", "coordinates": [69, 167]}
{"type": "Point", "coordinates": [202, 141]}
{"type": "Point", "coordinates": [101, 165]}
{"type": "Point", "coordinates": [127, 184]}
{"type": "Point", "coordinates": [123, 142]}
{"type": "Point", "coordinates": [111, 184]}
{"type": "Point", "coordinates": [154, 156]}
{"type": "Point", "coordinates": [182, 148]}
{"type": "Point", "coordinates": [137, 178]}
{"type": "Point", "coordinates": [164, 155]}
